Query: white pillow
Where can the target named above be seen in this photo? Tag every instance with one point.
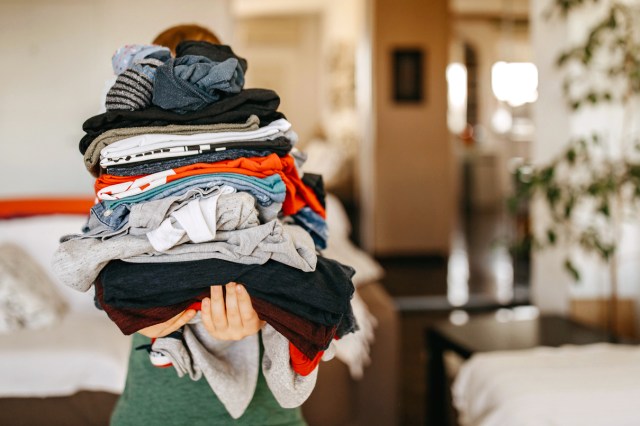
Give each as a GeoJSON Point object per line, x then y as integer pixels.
{"type": "Point", "coordinates": [40, 236]}
{"type": "Point", "coordinates": [28, 298]}
{"type": "Point", "coordinates": [337, 218]}
{"type": "Point", "coordinates": [341, 248]}
{"type": "Point", "coordinates": [328, 160]}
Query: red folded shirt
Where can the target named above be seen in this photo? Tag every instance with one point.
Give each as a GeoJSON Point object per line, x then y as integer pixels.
{"type": "Point", "coordinates": [307, 338]}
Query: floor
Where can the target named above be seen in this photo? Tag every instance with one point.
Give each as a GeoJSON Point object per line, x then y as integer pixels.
{"type": "Point", "coordinates": [479, 275]}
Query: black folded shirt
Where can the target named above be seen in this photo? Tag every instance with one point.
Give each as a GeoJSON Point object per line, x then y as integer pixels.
{"type": "Point", "coordinates": [231, 109]}
{"type": "Point", "coordinates": [322, 296]}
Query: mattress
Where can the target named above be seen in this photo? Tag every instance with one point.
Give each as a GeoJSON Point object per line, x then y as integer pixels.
{"type": "Point", "coordinates": [83, 352]}
{"type": "Point", "coordinates": [572, 385]}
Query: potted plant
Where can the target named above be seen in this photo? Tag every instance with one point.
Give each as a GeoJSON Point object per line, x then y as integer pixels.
{"type": "Point", "coordinates": [589, 188]}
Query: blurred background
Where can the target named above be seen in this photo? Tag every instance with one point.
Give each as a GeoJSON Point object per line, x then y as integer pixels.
{"type": "Point", "coordinates": [422, 116]}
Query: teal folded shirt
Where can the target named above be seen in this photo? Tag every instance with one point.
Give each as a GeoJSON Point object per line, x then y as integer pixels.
{"type": "Point", "coordinates": [273, 186]}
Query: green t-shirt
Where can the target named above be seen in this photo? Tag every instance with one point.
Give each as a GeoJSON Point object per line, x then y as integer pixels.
{"type": "Point", "coordinates": [157, 396]}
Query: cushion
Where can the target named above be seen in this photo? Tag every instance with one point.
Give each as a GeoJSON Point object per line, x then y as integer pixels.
{"type": "Point", "coordinates": [28, 298]}
{"type": "Point", "coordinates": [39, 236]}
{"type": "Point", "coordinates": [341, 248]}
{"type": "Point", "coordinates": [24, 207]}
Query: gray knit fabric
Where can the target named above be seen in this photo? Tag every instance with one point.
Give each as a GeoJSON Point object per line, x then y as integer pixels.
{"type": "Point", "coordinates": [179, 355]}
{"type": "Point", "coordinates": [289, 388]}
{"type": "Point", "coordinates": [231, 367]}
{"type": "Point", "coordinates": [92, 154]}
{"type": "Point", "coordinates": [133, 89]}
{"type": "Point", "coordinates": [77, 263]}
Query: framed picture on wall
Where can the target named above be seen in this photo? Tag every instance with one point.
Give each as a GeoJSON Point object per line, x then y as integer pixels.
{"type": "Point", "coordinates": [408, 66]}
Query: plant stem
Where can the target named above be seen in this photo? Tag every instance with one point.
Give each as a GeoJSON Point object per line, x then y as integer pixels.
{"type": "Point", "coordinates": [612, 310]}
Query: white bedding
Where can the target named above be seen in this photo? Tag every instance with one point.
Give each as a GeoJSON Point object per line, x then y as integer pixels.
{"type": "Point", "coordinates": [83, 352]}
{"type": "Point", "coordinates": [573, 385]}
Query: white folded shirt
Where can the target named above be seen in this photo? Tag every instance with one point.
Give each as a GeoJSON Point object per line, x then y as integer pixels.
{"type": "Point", "coordinates": [148, 142]}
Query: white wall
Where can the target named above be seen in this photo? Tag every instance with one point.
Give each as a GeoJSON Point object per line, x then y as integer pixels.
{"type": "Point", "coordinates": [56, 58]}
{"type": "Point", "coordinates": [549, 283]}
{"type": "Point", "coordinates": [282, 52]}
{"type": "Point", "coordinates": [313, 31]}
{"type": "Point", "coordinates": [555, 126]}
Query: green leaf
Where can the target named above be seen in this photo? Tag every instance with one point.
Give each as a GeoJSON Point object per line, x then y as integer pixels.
{"type": "Point", "coordinates": [604, 209]}
{"type": "Point", "coordinates": [513, 203]}
{"type": "Point", "coordinates": [568, 207]}
{"type": "Point", "coordinates": [571, 269]}
{"type": "Point", "coordinates": [551, 236]}
{"type": "Point", "coordinates": [546, 175]}
{"type": "Point", "coordinates": [553, 194]}
{"type": "Point", "coordinates": [563, 58]}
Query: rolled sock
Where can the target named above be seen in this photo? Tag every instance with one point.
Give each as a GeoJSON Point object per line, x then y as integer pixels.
{"type": "Point", "coordinates": [128, 54]}
{"type": "Point", "coordinates": [175, 350]}
{"type": "Point", "coordinates": [133, 88]}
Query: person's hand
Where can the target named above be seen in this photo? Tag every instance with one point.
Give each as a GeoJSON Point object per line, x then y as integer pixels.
{"type": "Point", "coordinates": [233, 320]}
{"type": "Point", "coordinates": [165, 328]}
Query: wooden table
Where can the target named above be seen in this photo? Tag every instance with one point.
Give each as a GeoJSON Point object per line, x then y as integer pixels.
{"type": "Point", "coordinates": [485, 333]}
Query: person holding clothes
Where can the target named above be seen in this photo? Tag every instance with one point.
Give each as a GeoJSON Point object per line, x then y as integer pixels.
{"type": "Point", "coordinates": [238, 366]}
{"type": "Point", "coordinates": [159, 397]}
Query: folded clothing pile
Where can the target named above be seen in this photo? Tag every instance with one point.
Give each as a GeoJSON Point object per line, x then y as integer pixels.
{"type": "Point", "coordinates": [198, 183]}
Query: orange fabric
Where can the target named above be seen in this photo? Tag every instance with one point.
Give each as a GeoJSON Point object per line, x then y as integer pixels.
{"type": "Point", "coordinates": [44, 206]}
{"type": "Point", "coordinates": [298, 194]}
{"type": "Point", "coordinates": [300, 363]}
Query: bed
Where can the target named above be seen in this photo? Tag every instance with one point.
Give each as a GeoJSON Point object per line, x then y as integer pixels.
{"type": "Point", "coordinates": [589, 385]}
{"type": "Point", "coordinates": [71, 371]}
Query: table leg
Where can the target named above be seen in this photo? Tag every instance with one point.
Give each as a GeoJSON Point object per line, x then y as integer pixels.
{"type": "Point", "coordinates": [437, 388]}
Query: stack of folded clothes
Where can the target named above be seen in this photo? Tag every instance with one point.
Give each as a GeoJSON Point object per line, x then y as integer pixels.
{"type": "Point", "coordinates": [198, 184]}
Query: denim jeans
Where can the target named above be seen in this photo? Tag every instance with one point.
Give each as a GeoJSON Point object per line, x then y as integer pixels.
{"type": "Point", "coordinates": [190, 83]}
{"type": "Point", "coordinates": [314, 224]}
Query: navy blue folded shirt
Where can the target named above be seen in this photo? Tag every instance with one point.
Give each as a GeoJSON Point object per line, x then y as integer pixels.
{"type": "Point", "coordinates": [322, 296]}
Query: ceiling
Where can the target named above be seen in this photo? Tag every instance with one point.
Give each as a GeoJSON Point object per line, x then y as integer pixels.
{"type": "Point", "coordinates": [464, 9]}
{"type": "Point", "coordinates": [490, 8]}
